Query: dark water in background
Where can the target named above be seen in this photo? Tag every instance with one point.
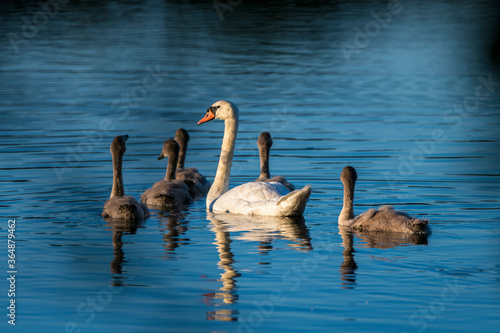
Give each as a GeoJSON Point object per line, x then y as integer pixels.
{"type": "Point", "coordinates": [394, 110]}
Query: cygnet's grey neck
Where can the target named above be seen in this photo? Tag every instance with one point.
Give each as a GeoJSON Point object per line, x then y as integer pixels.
{"type": "Point", "coordinates": [264, 161]}
{"type": "Point", "coordinates": [117, 190]}
{"type": "Point", "coordinates": [171, 166]}
{"type": "Point", "coordinates": [182, 138]}
{"type": "Point", "coordinates": [347, 212]}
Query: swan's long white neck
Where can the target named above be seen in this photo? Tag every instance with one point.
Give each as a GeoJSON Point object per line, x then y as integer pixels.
{"type": "Point", "coordinates": [221, 181]}
{"type": "Point", "coordinates": [117, 190]}
{"type": "Point", "coordinates": [347, 212]}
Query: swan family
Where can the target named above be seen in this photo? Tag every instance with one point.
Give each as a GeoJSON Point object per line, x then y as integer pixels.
{"type": "Point", "coordinates": [253, 198]}
{"type": "Point", "coordinates": [265, 196]}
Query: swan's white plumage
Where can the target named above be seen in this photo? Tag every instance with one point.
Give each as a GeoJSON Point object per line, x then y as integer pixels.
{"type": "Point", "coordinates": [272, 199]}
{"type": "Point", "coordinates": [255, 198]}
{"type": "Point", "coordinates": [256, 191]}
{"type": "Point", "coordinates": [243, 198]}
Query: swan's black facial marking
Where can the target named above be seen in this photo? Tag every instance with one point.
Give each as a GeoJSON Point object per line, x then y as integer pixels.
{"type": "Point", "coordinates": [213, 108]}
{"type": "Point", "coordinates": [210, 115]}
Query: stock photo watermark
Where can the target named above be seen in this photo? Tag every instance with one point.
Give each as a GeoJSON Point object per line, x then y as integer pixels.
{"type": "Point", "coordinates": [93, 305]}
{"type": "Point", "coordinates": [454, 116]}
{"type": "Point", "coordinates": [223, 6]}
{"type": "Point", "coordinates": [31, 26]}
{"type": "Point", "coordinates": [426, 315]}
{"type": "Point", "coordinates": [293, 279]}
{"type": "Point", "coordinates": [121, 107]}
{"type": "Point", "coordinates": [11, 271]}
{"type": "Point", "coordinates": [363, 36]}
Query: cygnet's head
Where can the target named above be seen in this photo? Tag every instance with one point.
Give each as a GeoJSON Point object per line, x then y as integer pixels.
{"type": "Point", "coordinates": [220, 110]}
{"type": "Point", "coordinates": [348, 176]}
{"type": "Point", "coordinates": [118, 145]}
{"type": "Point", "coordinates": [170, 148]}
{"type": "Point", "coordinates": [265, 140]}
{"type": "Point", "coordinates": [181, 136]}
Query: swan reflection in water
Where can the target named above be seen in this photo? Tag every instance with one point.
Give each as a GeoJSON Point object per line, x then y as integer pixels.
{"type": "Point", "coordinates": [120, 227]}
{"type": "Point", "coordinates": [173, 227]}
{"type": "Point", "coordinates": [378, 240]}
{"type": "Point", "coordinates": [261, 229]}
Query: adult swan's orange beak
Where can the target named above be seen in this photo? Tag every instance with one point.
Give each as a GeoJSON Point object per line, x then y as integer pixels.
{"type": "Point", "coordinates": [209, 116]}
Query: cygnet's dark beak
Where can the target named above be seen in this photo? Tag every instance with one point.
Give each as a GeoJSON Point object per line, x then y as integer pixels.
{"type": "Point", "coordinates": [161, 156]}
{"type": "Point", "coordinates": [125, 137]}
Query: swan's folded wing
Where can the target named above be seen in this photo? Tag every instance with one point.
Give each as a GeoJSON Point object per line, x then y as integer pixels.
{"type": "Point", "coordinates": [271, 199]}
{"type": "Point", "coordinates": [249, 197]}
{"type": "Point", "coordinates": [257, 191]}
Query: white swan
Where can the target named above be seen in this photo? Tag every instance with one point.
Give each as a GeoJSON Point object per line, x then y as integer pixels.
{"type": "Point", "coordinates": [255, 198]}
{"type": "Point", "coordinates": [168, 193]}
{"type": "Point", "coordinates": [265, 142]}
{"type": "Point", "coordinates": [197, 183]}
{"type": "Point", "coordinates": [385, 219]}
{"type": "Point", "coordinates": [118, 205]}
